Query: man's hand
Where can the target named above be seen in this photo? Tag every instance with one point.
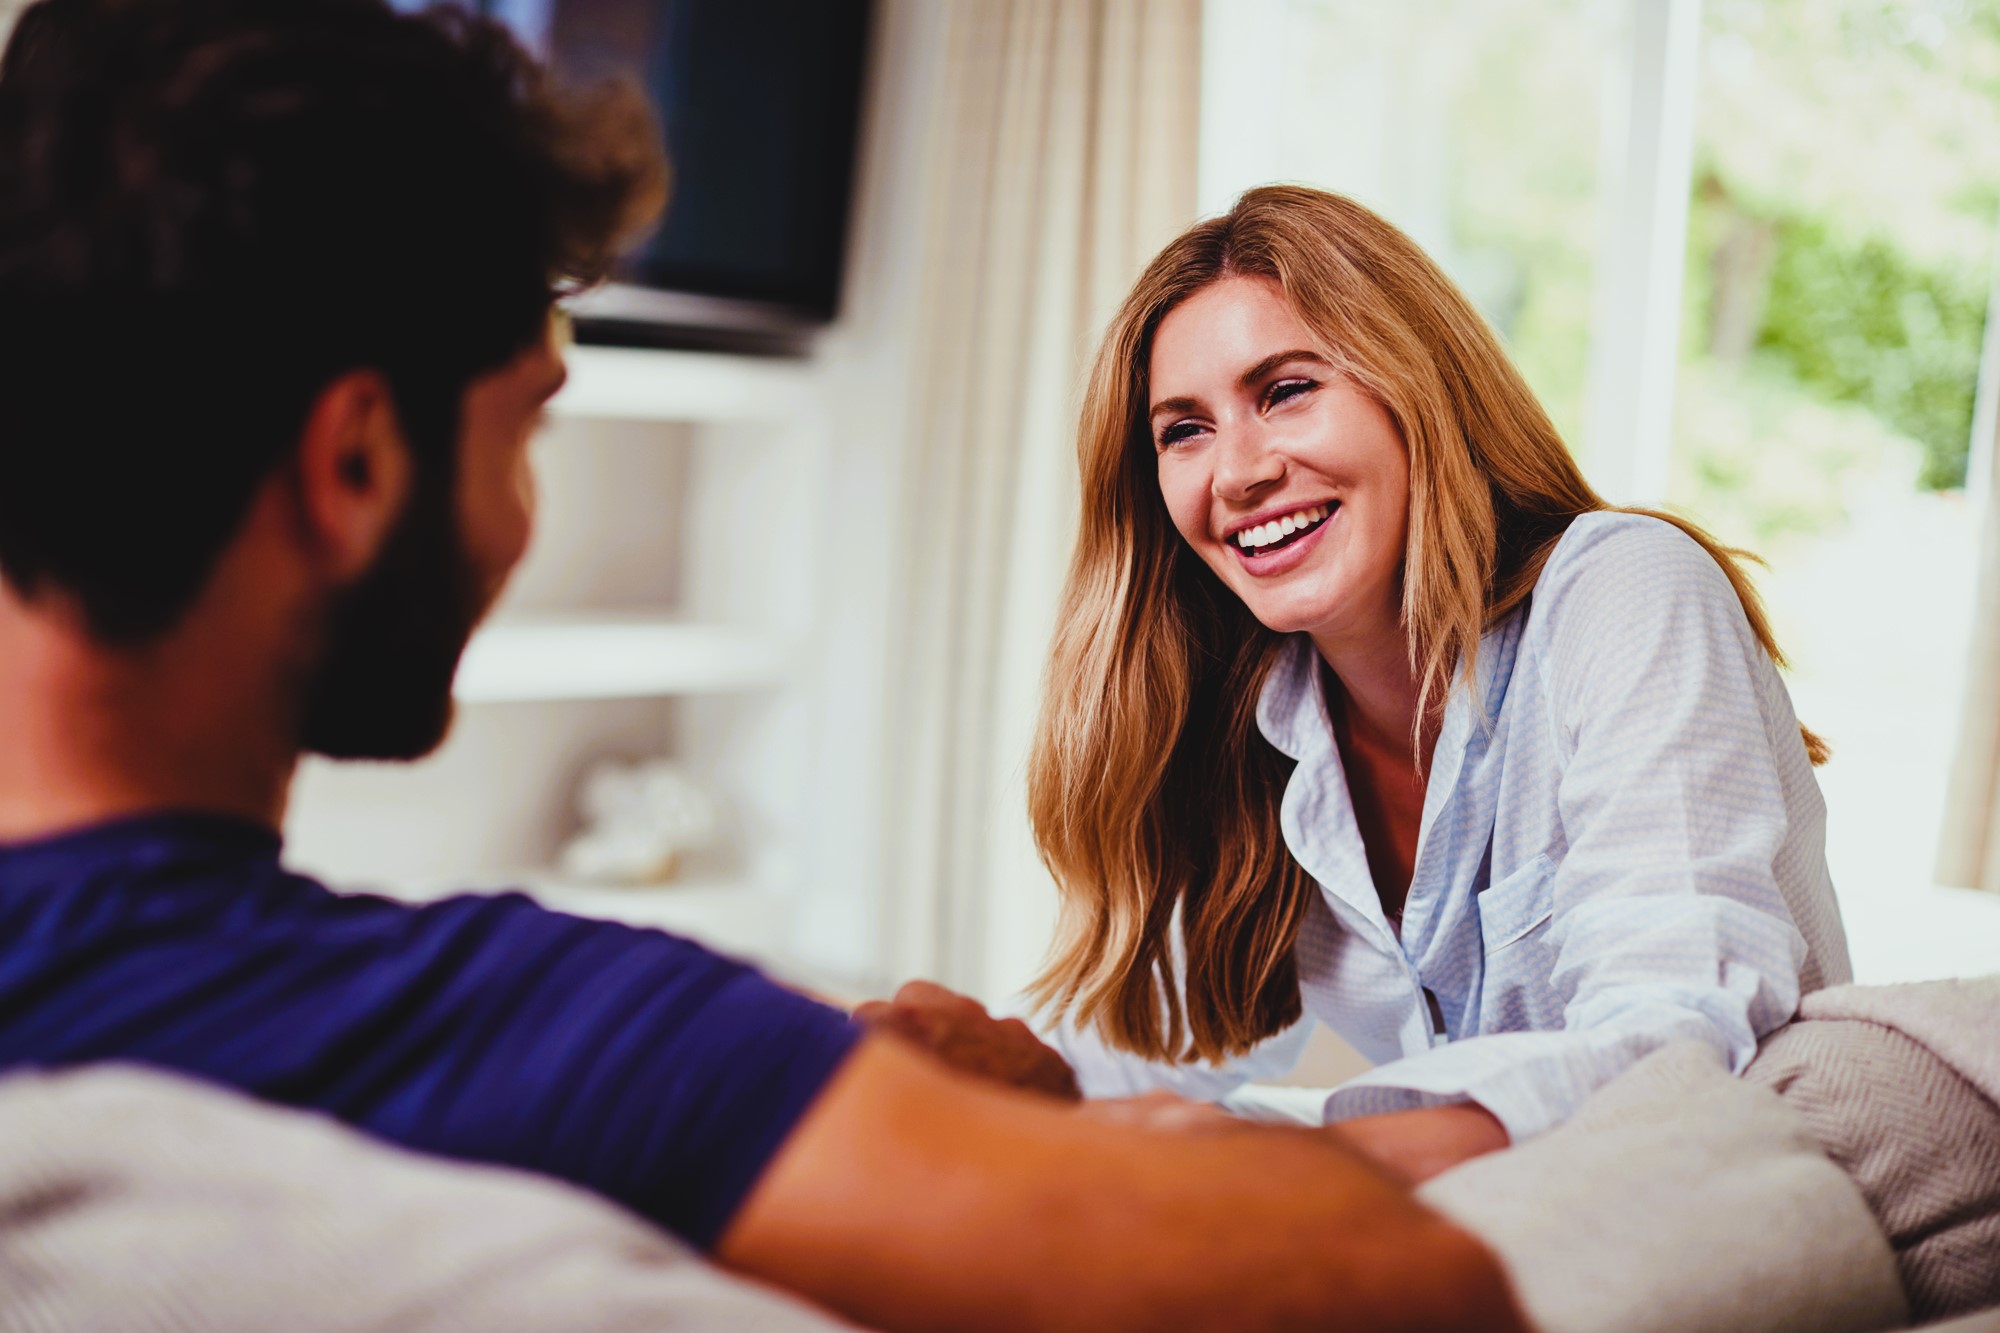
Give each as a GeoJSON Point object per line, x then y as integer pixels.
{"type": "Point", "coordinates": [958, 1030]}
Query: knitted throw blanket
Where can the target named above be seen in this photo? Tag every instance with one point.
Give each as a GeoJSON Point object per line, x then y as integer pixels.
{"type": "Point", "coordinates": [1901, 1085]}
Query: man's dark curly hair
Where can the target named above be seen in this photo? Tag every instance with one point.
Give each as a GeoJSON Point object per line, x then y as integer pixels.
{"type": "Point", "coordinates": [210, 209]}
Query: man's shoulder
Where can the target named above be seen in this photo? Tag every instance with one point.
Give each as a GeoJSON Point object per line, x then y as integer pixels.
{"type": "Point", "coordinates": [180, 902]}
{"type": "Point", "coordinates": [631, 1061]}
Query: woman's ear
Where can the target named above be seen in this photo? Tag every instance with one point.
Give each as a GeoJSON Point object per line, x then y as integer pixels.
{"type": "Point", "coordinates": [352, 473]}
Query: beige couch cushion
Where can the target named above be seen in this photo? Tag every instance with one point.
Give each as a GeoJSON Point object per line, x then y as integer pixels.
{"type": "Point", "coordinates": [140, 1202]}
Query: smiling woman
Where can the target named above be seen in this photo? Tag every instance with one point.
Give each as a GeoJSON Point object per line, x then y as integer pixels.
{"type": "Point", "coordinates": [1365, 706]}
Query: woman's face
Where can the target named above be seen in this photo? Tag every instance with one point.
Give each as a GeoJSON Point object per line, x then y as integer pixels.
{"type": "Point", "coordinates": [1289, 481]}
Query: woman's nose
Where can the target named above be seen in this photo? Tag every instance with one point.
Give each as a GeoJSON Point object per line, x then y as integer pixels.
{"type": "Point", "coordinates": [1245, 464]}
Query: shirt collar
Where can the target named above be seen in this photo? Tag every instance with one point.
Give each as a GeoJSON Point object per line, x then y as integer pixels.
{"type": "Point", "coordinates": [1291, 712]}
{"type": "Point", "coordinates": [1291, 709]}
{"type": "Point", "coordinates": [156, 826]}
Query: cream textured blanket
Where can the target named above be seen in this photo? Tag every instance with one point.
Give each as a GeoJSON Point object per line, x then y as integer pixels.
{"type": "Point", "coordinates": [1901, 1085]}
{"type": "Point", "coordinates": [1680, 1198]}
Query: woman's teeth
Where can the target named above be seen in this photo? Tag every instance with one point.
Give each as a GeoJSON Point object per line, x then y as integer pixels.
{"type": "Point", "coordinates": [1266, 535]}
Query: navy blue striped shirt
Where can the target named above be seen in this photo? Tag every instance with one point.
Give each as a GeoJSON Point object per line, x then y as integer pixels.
{"type": "Point", "coordinates": [630, 1062]}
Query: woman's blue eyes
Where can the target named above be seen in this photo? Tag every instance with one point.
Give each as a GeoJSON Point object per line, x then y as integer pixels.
{"type": "Point", "coordinates": [1281, 392]}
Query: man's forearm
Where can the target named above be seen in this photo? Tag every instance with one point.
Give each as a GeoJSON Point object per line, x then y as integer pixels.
{"type": "Point", "coordinates": [911, 1197]}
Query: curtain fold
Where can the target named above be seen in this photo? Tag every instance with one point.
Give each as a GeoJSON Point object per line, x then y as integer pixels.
{"type": "Point", "coordinates": [1064, 156]}
{"type": "Point", "coordinates": [1969, 848]}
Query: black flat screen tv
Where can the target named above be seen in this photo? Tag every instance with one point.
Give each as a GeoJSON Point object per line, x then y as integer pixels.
{"type": "Point", "coordinates": [760, 103]}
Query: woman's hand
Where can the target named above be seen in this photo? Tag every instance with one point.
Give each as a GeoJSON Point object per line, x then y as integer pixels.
{"type": "Point", "coordinates": [1416, 1145]}
{"type": "Point", "coordinates": [957, 1030]}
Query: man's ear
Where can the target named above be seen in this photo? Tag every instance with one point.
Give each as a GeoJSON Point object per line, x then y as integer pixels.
{"type": "Point", "coordinates": [353, 473]}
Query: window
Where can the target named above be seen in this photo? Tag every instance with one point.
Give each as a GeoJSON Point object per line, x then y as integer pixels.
{"type": "Point", "coordinates": [1744, 252]}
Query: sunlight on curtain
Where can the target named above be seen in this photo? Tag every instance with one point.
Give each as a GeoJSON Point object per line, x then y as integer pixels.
{"type": "Point", "coordinates": [1969, 850]}
{"type": "Point", "coordinates": [1064, 157]}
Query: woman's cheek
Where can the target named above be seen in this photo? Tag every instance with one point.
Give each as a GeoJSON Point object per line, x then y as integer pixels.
{"type": "Point", "coordinates": [1186, 497]}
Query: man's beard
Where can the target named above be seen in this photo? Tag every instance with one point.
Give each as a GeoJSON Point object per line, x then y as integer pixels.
{"type": "Point", "coordinates": [383, 688]}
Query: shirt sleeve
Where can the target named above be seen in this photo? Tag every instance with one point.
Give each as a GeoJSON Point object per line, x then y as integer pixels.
{"type": "Point", "coordinates": [632, 1062]}
{"type": "Point", "coordinates": [1667, 921]}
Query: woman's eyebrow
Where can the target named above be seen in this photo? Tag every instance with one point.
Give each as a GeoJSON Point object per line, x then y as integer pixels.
{"type": "Point", "coordinates": [1276, 359]}
{"type": "Point", "coordinates": [1246, 379]}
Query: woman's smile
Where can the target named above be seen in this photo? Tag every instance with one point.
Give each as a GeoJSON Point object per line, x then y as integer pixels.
{"type": "Point", "coordinates": [1277, 546]}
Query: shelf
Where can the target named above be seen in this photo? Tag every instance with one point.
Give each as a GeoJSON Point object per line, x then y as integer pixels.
{"type": "Point", "coordinates": [552, 658]}
{"type": "Point", "coordinates": [629, 384]}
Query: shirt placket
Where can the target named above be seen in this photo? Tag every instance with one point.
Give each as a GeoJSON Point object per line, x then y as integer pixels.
{"type": "Point", "coordinates": [1326, 838]}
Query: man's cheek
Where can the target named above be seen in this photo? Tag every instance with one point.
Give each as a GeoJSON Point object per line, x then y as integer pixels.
{"type": "Point", "coordinates": [499, 522]}
{"type": "Point", "coordinates": [526, 497]}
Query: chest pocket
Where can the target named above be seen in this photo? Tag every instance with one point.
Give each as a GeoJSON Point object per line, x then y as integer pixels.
{"type": "Point", "coordinates": [1518, 906]}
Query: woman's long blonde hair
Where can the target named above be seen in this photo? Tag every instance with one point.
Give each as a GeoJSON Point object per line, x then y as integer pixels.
{"type": "Point", "coordinates": [1151, 790]}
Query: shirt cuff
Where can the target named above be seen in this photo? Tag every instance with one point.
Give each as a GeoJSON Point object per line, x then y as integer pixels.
{"type": "Point", "coordinates": [1529, 1081]}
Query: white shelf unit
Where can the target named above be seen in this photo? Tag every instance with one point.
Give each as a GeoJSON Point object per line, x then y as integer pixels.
{"type": "Point", "coordinates": [663, 611]}
{"type": "Point", "coordinates": [611, 655]}
{"type": "Point", "coordinates": [630, 384]}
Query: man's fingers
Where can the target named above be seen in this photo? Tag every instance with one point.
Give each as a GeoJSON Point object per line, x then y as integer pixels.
{"type": "Point", "coordinates": [930, 995]}
{"type": "Point", "coordinates": [915, 1024]}
{"type": "Point", "coordinates": [959, 1031]}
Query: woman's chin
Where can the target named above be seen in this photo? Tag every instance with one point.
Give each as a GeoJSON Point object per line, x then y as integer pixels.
{"type": "Point", "coordinates": [1288, 619]}
{"type": "Point", "coordinates": [1322, 617]}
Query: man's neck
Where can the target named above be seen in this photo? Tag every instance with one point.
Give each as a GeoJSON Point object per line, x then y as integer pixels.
{"type": "Point", "coordinates": [90, 733]}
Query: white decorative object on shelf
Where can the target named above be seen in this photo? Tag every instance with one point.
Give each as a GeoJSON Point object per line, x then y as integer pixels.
{"type": "Point", "coordinates": [639, 820]}
{"type": "Point", "coordinates": [610, 657]}
{"type": "Point", "coordinates": [629, 384]}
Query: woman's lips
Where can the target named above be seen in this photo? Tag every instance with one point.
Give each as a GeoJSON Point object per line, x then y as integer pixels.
{"type": "Point", "coordinates": [1285, 557]}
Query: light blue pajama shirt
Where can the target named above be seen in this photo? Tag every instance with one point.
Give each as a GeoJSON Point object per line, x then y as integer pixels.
{"type": "Point", "coordinates": [1630, 849]}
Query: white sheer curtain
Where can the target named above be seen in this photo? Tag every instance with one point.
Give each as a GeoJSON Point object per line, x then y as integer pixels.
{"type": "Point", "coordinates": [1969, 855]}
{"type": "Point", "coordinates": [1063, 157]}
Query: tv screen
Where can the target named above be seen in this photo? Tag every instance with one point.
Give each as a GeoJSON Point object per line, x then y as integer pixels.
{"type": "Point", "coordinates": [760, 103]}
